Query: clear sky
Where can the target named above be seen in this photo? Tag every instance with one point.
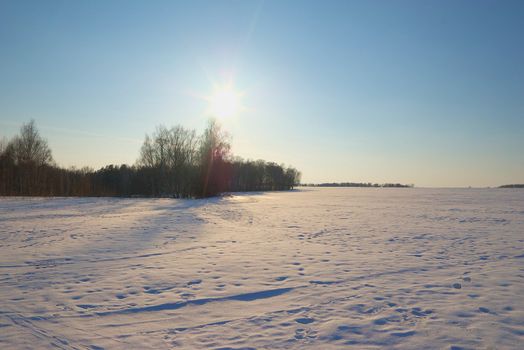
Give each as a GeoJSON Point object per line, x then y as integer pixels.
{"type": "Point", "coordinates": [423, 92]}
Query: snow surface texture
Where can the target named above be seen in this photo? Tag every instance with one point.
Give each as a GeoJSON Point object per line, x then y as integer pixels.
{"type": "Point", "coordinates": [313, 268]}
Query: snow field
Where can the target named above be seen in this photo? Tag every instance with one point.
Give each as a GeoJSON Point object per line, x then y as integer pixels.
{"type": "Point", "coordinates": [314, 268]}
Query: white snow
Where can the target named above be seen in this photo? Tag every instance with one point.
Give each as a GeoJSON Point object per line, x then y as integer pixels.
{"type": "Point", "coordinates": [308, 269]}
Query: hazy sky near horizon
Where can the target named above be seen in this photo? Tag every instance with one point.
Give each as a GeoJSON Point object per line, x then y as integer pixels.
{"type": "Point", "coordinates": [423, 92]}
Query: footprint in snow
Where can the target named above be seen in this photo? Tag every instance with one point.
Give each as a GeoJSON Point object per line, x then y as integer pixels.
{"type": "Point", "coordinates": [417, 311]}
{"type": "Point", "coordinates": [302, 333]}
{"type": "Point", "coordinates": [381, 321]}
{"type": "Point", "coordinates": [403, 334]}
{"type": "Point", "coordinates": [305, 320]}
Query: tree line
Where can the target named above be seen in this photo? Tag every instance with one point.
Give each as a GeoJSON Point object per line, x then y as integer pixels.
{"type": "Point", "coordinates": [173, 162]}
{"type": "Point", "coordinates": [358, 184]}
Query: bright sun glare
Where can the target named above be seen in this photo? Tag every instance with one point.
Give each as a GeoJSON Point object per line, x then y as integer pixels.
{"type": "Point", "coordinates": [225, 102]}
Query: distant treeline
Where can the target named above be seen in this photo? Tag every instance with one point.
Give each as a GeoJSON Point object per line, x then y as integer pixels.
{"type": "Point", "coordinates": [512, 186]}
{"type": "Point", "coordinates": [356, 184]}
{"type": "Point", "coordinates": [173, 162]}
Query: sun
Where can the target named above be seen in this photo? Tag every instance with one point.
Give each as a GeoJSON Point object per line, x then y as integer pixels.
{"type": "Point", "coordinates": [225, 102]}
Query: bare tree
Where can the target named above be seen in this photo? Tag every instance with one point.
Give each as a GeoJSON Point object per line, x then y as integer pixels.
{"type": "Point", "coordinates": [3, 145]}
{"type": "Point", "coordinates": [170, 156]}
{"type": "Point", "coordinates": [30, 147]}
{"type": "Point", "coordinates": [214, 151]}
{"type": "Point", "coordinates": [215, 143]}
{"type": "Point", "coordinates": [147, 153]}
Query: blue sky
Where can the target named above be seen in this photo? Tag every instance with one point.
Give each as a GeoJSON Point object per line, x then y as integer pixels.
{"type": "Point", "coordinates": [423, 92]}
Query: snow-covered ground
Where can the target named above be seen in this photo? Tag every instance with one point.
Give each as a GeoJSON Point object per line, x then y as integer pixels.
{"type": "Point", "coordinates": [313, 268]}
